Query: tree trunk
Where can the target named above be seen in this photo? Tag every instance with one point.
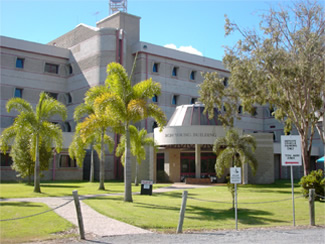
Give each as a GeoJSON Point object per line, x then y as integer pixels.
{"type": "Point", "coordinates": [30, 175]}
{"type": "Point", "coordinates": [305, 154]}
{"type": "Point", "coordinates": [102, 166]}
{"type": "Point", "coordinates": [136, 174]}
{"type": "Point", "coordinates": [91, 177]}
{"type": "Point", "coordinates": [37, 186]}
{"type": "Point", "coordinates": [127, 168]}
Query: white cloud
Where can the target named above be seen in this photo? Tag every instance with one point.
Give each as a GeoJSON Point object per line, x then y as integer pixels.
{"type": "Point", "coordinates": [187, 49]}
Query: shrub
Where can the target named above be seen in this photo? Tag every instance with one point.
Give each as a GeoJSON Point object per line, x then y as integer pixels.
{"type": "Point", "coordinates": [314, 180]}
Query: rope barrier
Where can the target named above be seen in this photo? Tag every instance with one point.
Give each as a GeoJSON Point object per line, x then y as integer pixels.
{"type": "Point", "coordinates": [282, 200]}
{"type": "Point", "coordinates": [33, 215]}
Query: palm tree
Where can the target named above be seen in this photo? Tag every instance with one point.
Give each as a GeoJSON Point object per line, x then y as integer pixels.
{"type": "Point", "coordinates": [234, 150]}
{"type": "Point", "coordinates": [128, 104]}
{"type": "Point", "coordinates": [139, 140]}
{"type": "Point", "coordinates": [42, 131]}
{"type": "Point", "coordinates": [92, 132]}
{"type": "Point", "coordinates": [23, 162]}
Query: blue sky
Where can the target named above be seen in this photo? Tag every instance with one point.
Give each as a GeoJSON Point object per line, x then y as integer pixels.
{"type": "Point", "coordinates": [189, 23]}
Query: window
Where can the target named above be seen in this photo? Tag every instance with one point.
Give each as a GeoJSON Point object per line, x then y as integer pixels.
{"type": "Point", "coordinates": [67, 127]}
{"type": "Point", "coordinates": [175, 72]}
{"type": "Point", "coordinates": [240, 109]}
{"type": "Point", "coordinates": [51, 68]}
{"type": "Point", "coordinates": [20, 63]}
{"type": "Point", "coordinates": [225, 81]}
{"type": "Point", "coordinates": [18, 92]}
{"type": "Point", "coordinates": [193, 100]}
{"type": "Point", "coordinates": [70, 69]}
{"type": "Point", "coordinates": [192, 75]}
{"type": "Point", "coordinates": [174, 100]}
{"type": "Point", "coordinates": [6, 160]}
{"type": "Point", "coordinates": [67, 162]}
{"type": "Point", "coordinates": [69, 98]}
{"type": "Point", "coordinates": [155, 98]}
{"type": "Point", "coordinates": [154, 125]}
{"type": "Point", "coordinates": [53, 95]}
{"type": "Point", "coordinates": [272, 110]}
{"type": "Point", "coordinates": [155, 68]}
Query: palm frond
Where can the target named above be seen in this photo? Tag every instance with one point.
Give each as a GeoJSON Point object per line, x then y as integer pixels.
{"type": "Point", "coordinates": [19, 104]}
{"type": "Point", "coordinates": [224, 160]}
{"type": "Point", "coordinates": [155, 112]}
{"type": "Point", "coordinates": [81, 110]}
{"type": "Point", "coordinates": [118, 81]}
{"type": "Point", "coordinates": [146, 89]}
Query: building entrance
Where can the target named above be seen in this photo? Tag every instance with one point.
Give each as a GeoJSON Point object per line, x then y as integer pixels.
{"type": "Point", "coordinates": [208, 161]}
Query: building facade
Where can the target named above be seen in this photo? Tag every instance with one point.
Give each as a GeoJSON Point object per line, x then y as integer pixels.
{"type": "Point", "coordinates": [69, 65]}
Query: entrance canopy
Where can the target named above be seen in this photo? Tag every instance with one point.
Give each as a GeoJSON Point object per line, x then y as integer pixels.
{"type": "Point", "coordinates": [189, 125]}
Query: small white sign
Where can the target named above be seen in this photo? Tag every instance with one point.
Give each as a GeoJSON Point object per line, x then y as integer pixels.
{"type": "Point", "coordinates": [291, 151]}
{"type": "Point", "coordinates": [235, 175]}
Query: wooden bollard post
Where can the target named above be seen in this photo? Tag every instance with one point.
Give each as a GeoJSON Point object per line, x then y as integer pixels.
{"type": "Point", "coordinates": [311, 200]}
{"type": "Point", "coordinates": [182, 213]}
{"type": "Point", "coordinates": [79, 215]}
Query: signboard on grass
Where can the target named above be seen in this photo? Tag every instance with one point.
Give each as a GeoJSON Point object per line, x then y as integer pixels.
{"type": "Point", "coordinates": [235, 175]}
{"type": "Point", "coordinates": [291, 151]}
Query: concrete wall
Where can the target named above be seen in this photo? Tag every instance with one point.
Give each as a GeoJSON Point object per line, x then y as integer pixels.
{"type": "Point", "coordinates": [265, 158]}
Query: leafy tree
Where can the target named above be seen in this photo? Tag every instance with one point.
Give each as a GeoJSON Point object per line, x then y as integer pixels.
{"type": "Point", "coordinates": [41, 131]}
{"type": "Point", "coordinates": [92, 132]}
{"type": "Point", "coordinates": [282, 66]}
{"type": "Point", "coordinates": [138, 142]}
{"type": "Point", "coordinates": [23, 162]}
{"type": "Point", "coordinates": [234, 150]}
{"type": "Point", "coordinates": [127, 104]}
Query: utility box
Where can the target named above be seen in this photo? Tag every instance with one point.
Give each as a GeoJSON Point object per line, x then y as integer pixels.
{"type": "Point", "coordinates": [146, 187]}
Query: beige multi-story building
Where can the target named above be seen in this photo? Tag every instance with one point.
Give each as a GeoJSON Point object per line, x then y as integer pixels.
{"type": "Point", "coordinates": [69, 65]}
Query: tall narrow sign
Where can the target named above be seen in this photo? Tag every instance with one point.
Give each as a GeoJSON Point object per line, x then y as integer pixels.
{"type": "Point", "coordinates": [291, 156]}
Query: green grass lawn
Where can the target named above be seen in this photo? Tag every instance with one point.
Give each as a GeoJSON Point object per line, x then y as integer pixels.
{"type": "Point", "coordinates": [53, 189]}
{"type": "Point", "coordinates": [205, 208]}
{"type": "Point", "coordinates": [41, 227]}
{"type": "Point", "coordinates": [205, 211]}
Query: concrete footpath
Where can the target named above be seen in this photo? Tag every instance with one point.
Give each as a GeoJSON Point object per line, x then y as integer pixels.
{"type": "Point", "coordinates": [94, 222]}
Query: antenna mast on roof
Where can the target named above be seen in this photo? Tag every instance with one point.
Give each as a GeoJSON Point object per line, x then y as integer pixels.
{"type": "Point", "coordinates": [117, 5]}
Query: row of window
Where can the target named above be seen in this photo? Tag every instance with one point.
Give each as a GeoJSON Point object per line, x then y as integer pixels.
{"type": "Point", "coordinates": [19, 93]}
{"type": "Point", "coordinates": [175, 100]}
{"type": "Point", "coordinates": [175, 71]}
{"type": "Point", "coordinates": [65, 161]}
{"type": "Point", "coordinates": [48, 68]}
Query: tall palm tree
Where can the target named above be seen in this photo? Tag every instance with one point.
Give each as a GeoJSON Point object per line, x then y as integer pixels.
{"type": "Point", "coordinates": [92, 132]}
{"type": "Point", "coordinates": [138, 142]}
{"type": "Point", "coordinates": [128, 104]}
{"type": "Point", "coordinates": [42, 131]}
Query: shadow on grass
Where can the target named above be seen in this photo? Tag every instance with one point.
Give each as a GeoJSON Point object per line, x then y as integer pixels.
{"type": "Point", "coordinates": [59, 186]}
{"type": "Point", "coordinates": [21, 204]}
{"type": "Point", "coordinates": [245, 216]}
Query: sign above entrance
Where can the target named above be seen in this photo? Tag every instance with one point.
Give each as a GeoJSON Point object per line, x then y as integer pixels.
{"type": "Point", "coordinates": [177, 135]}
{"type": "Point", "coordinates": [235, 175]}
{"type": "Point", "coordinates": [291, 151]}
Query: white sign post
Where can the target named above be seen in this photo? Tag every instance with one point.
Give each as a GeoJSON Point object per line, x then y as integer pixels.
{"type": "Point", "coordinates": [235, 178]}
{"type": "Point", "coordinates": [291, 156]}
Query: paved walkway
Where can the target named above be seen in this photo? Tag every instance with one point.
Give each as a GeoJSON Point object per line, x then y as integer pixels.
{"type": "Point", "coordinates": [94, 222]}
